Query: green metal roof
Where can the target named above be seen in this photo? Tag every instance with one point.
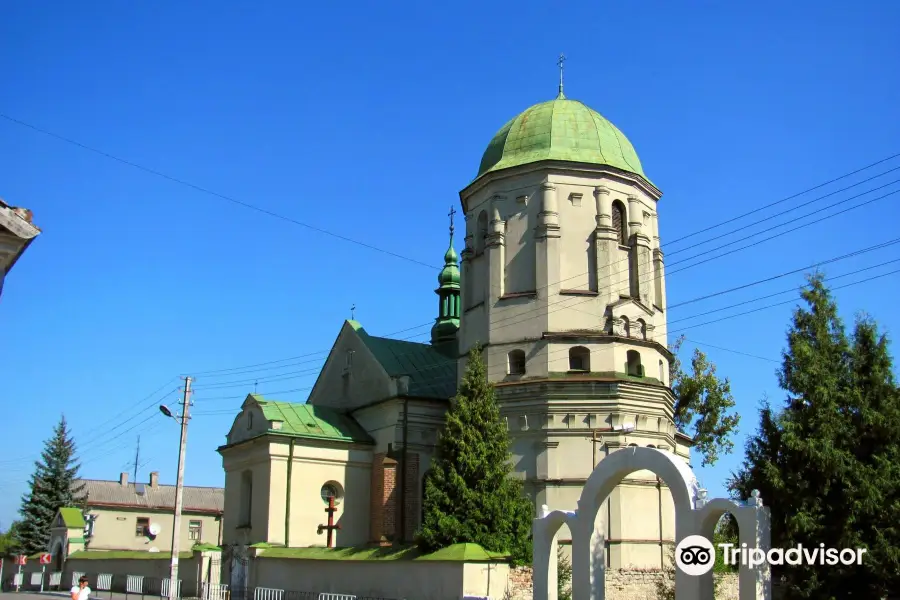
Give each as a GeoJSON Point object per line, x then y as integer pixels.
{"type": "Point", "coordinates": [564, 130]}
{"type": "Point", "coordinates": [310, 421]}
{"type": "Point", "coordinates": [72, 518]}
{"type": "Point", "coordinates": [432, 373]}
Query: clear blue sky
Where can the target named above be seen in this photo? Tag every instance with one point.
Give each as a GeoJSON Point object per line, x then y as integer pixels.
{"type": "Point", "coordinates": [366, 120]}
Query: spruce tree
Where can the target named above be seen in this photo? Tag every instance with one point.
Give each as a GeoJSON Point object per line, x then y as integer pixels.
{"type": "Point", "coordinates": [827, 463]}
{"type": "Point", "coordinates": [51, 487]}
{"type": "Point", "coordinates": [470, 495]}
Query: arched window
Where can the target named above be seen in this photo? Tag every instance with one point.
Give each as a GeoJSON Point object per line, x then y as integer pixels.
{"type": "Point", "coordinates": [619, 222]}
{"type": "Point", "coordinates": [651, 446]}
{"type": "Point", "coordinates": [246, 512]}
{"type": "Point", "coordinates": [641, 329]}
{"type": "Point", "coordinates": [626, 326]}
{"type": "Point", "coordinates": [634, 366]}
{"type": "Point", "coordinates": [481, 233]}
{"type": "Point", "coordinates": [516, 362]}
{"type": "Point", "coordinates": [579, 359]}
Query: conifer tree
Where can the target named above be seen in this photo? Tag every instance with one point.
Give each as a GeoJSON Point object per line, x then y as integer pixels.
{"type": "Point", "coordinates": [51, 487]}
{"type": "Point", "coordinates": [827, 463]}
{"type": "Point", "coordinates": [470, 495]}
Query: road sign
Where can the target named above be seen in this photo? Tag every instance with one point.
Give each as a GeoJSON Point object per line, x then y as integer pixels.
{"type": "Point", "coordinates": [45, 558]}
{"type": "Point", "coordinates": [20, 560]}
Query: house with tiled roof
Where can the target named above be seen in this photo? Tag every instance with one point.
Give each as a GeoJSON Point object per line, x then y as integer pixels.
{"type": "Point", "coordinates": [124, 515]}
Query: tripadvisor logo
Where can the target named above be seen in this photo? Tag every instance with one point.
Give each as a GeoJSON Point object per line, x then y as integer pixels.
{"type": "Point", "coordinates": [696, 555]}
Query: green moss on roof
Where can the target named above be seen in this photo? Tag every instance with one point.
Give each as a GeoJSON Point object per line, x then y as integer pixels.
{"type": "Point", "coordinates": [431, 370]}
{"type": "Point", "coordinates": [206, 548]}
{"type": "Point", "coordinates": [72, 518]}
{"type": "Point", "coordinates": [560, 129]}
{"type": "Point", "coordinates": [455, 553]}
{"type": "Point", "coordinates": [130, 554]}
{"type": "Point", "coordinates": [309, 421]}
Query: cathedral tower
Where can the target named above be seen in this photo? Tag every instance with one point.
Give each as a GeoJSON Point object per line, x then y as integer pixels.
{"type": "Point", "coordinates": [563, 284]}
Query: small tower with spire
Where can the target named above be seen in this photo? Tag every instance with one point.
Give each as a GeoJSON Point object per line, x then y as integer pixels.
{"type": "Point", "coordinates": [447, 323]}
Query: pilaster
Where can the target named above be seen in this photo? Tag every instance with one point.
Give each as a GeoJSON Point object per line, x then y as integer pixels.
{"type": "Point", "coordinates": [606, 245]}
{"type": "Point", "coordinates": [495, 251]}
{"type": "Point", "coordinates": [641, 263]}
{"type": "Point", "coordinates": [547, 234]}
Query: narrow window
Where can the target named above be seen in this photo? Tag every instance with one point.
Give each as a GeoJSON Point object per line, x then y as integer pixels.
{"type": "Point", "coordinates": [626, 326]}
{"type": "Point", "coordinates": [634, 366]}
{"type": "Point", "coordinates": [516, 360]}
{"type": "Point", "coordinates": [195, 530]}
{"type": "Point", "coordinates": [619, 222]}
{"type": "Point", "coordinates": [246, 511]}
{"type": "Point", "coordinates": [579, 359]}
{"type": "Point", "coordinates": [662, 376]}
{"type": "Point", "coordinates": [481, 234]}
{"type": "Point", "coordinates": [141, 527]}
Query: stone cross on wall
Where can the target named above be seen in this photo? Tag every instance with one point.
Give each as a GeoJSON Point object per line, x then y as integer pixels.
{"type": "Point", "coordinates": [331, 527]}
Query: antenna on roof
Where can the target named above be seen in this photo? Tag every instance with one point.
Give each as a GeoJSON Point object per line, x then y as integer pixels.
{"type": "Point", "coordinates": [137, 457]}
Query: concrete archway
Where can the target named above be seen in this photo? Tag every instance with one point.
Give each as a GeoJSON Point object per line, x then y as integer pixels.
{"type": "Point", "coordinates": [544, 545]}
{"type": "Point", "coordinates": [753, 530]}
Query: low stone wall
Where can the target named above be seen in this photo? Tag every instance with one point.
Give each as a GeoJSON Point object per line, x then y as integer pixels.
{"type": "Point", "coordinates": [620, 585]}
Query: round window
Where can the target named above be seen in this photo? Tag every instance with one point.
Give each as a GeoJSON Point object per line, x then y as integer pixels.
{"type": "Point", "coordinates": [332, 490]}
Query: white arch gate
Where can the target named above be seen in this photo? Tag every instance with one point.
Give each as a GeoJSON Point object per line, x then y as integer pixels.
{"type": "Point", "coordinates": [694, 515]}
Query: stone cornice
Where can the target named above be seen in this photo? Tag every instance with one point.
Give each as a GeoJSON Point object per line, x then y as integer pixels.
{"type": "Point", "coordinates": [556, 167]}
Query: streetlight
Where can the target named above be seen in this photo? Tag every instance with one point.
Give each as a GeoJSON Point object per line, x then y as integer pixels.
{"type": "Point", "coordinates": [179, 483]}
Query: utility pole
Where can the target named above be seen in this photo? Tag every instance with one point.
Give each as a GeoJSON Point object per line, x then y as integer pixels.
{"type": "Point", "coordinates": [179, 489]}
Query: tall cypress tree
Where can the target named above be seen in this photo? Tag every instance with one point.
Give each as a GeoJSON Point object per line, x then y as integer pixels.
{"type": "Point", "coordinates": [51, 487]}
{"type": "Point", "coordinates": [828, 463]}
{"type": "Point", "coordinates": [470, 495]}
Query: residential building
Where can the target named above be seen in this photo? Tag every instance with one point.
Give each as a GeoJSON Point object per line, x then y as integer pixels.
{"type": "Point", "coordinates": [139, 516]}
{"type": "Point", "coordinates": [16, 233]}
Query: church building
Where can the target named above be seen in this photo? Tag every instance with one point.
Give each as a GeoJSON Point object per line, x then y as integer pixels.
{"type": "Point", "coordinates": [561, 280]}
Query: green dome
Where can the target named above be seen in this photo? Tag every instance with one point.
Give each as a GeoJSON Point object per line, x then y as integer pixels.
{"type": "Point", "coordinates": [560, 129]}
{"type": "Point", "coordinates": [449, 275]}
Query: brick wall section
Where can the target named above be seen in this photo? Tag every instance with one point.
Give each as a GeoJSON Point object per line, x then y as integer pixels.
{"type": "Point", "coordinates": [382, 514]}
{"type": "Point", "coordinates": [620, 585]}
{"type": "Point", "coordinates": [413, 509]}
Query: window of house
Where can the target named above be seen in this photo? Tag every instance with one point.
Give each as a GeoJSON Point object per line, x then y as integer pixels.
{"type": "Point", "coordinates": [195, 529]}
{"type": "Point", "coordinates": [634, 366]}
{"type": "Point", "coordinates": [141, 527]}
{"type": "Point", "coordinates": [516, 362]}
{"type": "Point", "coordinates": [332, 489]}
{"type": "Point", "coordinates": [579, 359]}
{"type": "Point", "coordinates": [626, 326]}
{"type": "Point", "coordinates": [619, 222]}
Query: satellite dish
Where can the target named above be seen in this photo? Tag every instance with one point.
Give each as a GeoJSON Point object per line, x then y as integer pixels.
{"type": "Point", "coordinates": [153, 549]}
{"type": "Point", "coordinates": [154, 529]}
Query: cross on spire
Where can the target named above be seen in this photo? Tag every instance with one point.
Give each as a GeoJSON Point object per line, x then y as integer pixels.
{"type": "Point", "coordinates": [353, 312]}
{"type": "Point", "coordinates": [451, 214]}
{"type": "Point", "coordinates": [560, 63]}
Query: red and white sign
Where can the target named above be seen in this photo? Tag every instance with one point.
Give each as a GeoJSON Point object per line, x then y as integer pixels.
{"type": "Point", "coordinates": [45, 558]}
{"type": "Point", "coordinates": [20, 560]}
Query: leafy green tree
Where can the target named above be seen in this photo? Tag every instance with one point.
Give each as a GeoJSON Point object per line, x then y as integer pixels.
{"type": "Point", "coordinates": [470, 495]}
{"type": "Point", "coordinates": [826, 464]}
{"type": "Point", "coordinates": [563, 575]}
{"type": "Point", "coordinates": [703, 405]}
{"type": "Point", "coordinates": [8, 545]}
{"type": "Point", "coordinates": [51, 487]}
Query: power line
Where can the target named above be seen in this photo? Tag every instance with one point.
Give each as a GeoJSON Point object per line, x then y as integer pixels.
{"type": "Point", "coordinates": [212, 193]}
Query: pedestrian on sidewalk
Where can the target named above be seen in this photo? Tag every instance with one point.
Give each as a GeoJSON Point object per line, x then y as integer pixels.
{"type": "Point", "coordinates": [81, 591]}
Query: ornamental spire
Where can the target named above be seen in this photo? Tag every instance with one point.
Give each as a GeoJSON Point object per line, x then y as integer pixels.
{"type": "Point", "coordinates": [559, 63]}
{"type": "Point", "coordinates": [447, 322]}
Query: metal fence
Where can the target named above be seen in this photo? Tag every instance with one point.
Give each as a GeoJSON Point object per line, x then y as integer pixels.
{"type": "Point", "coordinates": [268, 593]}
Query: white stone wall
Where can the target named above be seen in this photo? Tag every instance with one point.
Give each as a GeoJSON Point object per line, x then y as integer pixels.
{"type": "Point", "coordinates": [621, 584]}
